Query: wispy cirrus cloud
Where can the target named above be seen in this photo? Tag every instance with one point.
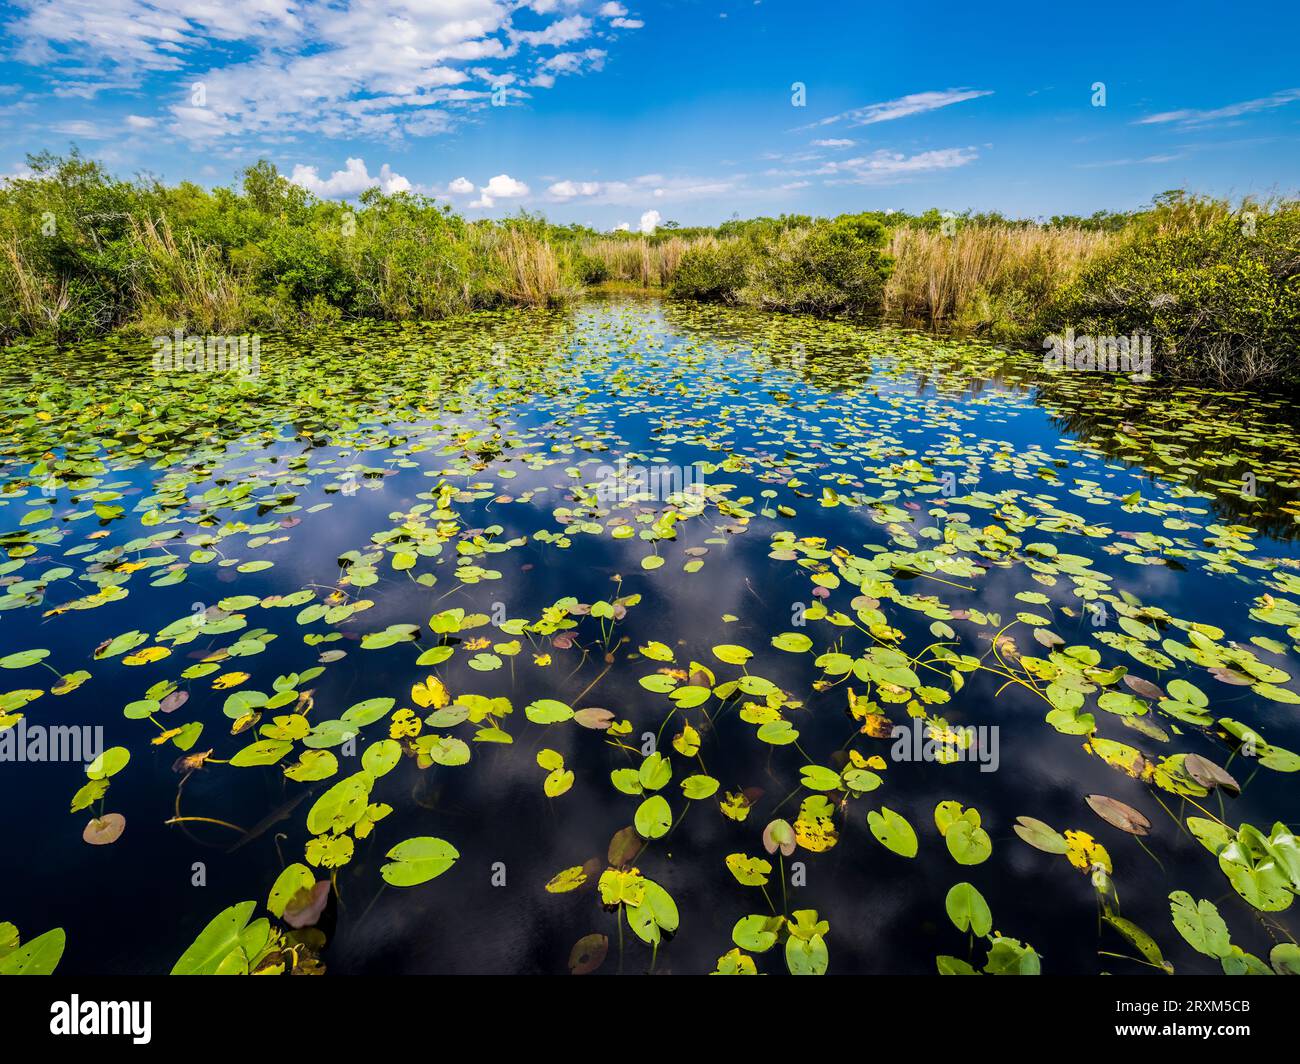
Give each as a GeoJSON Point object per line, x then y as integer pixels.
{"type": "Point", "coordinates": [905, 106]}
{"type": "Point", "coordinates": [1190, 117]}
{"type": "Point", "coordinates": [882, 167]}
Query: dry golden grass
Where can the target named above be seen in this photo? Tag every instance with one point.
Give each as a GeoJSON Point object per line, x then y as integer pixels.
{"type": "Point", "coordinates": [182, 281]}
{"type": "Point", "coordinates": [39, 301]}
{"type": "Point", "coordinates": [982, 273]}
{"type": "Point", "coordinates": [529, 271]}
{"type": "Point", "coordinates": [640, 261]}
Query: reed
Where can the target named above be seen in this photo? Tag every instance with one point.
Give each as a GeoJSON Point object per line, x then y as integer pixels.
{"type": "Point", "coordinates": [983, 278]}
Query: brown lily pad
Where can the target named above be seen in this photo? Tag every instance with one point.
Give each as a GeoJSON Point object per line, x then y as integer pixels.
{"type": "Point", "coordinates": [594, 717]}
{"type": "Point", "coordinates": [588, 954]}
{"type": "Point", "coordinates": [1143, 688]}
{"type": "Point", "coordinates": [1209, 775]}
{"type": "Point", "coordinates": [1118, 815]}
{"type": "Point", "coordinates": [104, 830]}
{"type": "Point", "coordinates": [173, 701]}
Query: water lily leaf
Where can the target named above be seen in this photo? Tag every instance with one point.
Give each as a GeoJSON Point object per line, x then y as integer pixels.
{"type": "Point", "coordinates": [1040, 835]}
{"type": "Point", "coordinates": [588, 954]}
{"type": "Point", "coordinates": [548, 711]}
{"type": "Point", "coordinates": [265, 752]}
{"type": "Point", "coordinates": [892, 831]}
{"type": "Point", "coordinates": [757, 934]}
{"type": "Point", "coordinates": [699, 786]}
{"type": "Point", "coordinates": [594, 718]}
{"type": "Point", "coordinates": [653, 817]}
{"type": "Point", "coordinates": [655, 772]}
{"type": "Point", "coordinates": [341, 805]}
{"type": "Point", "coordinates": [968, 910]}
{"type": "Point", "coordinates": [1200, 924]}
{"type": "Point", "coordinates": [735, 962]}
{"type": "Point", "coordinates": [968, 843]}
{"type": "Point", "coordinates": [749, 871]}
{"type": "Point", "coordinates": [109, 763]}
{"type": "Point", "coordinates": [732, 654]}
{"type": "Point", "coordinates": [418, 860]}
{"type": "Point", "coordinates": [1119, 815]}
{"type": "Point", "coordinates": [222, 936]}
{"type": "Point", "coordinates": [567, 880]}
{"type": "Point", "coordinates": [39, 956]}
{"type": "Point", "coordinates": [104, 830]}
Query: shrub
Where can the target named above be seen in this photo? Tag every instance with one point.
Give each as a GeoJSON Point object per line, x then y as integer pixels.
{"type": "Point", "coordinates": [711, 271]}
{"type": "Point", "coordinates": [1218, 291]}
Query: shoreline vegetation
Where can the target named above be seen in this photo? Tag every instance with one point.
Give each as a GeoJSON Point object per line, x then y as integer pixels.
{"type": "Point", "coordinates": [1215, 285]}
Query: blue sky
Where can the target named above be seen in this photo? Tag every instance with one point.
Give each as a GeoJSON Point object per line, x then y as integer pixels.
{"type": "Point", "coordinates": [633, 113]}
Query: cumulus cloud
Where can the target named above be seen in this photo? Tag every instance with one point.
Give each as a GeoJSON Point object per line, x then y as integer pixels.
{"type": "Point", "coordinates": [569, 189]}
{"type": "Point", "coordinates": [633, 191]}
{"type": "Point", "coordinates": [650, 221]}
{"type": "Point", "coordinates": [561, 31]}
{"type": "Point", "coordinates": [334, 68]}
{"type": "Point", "coordinates": [503, 186]}
{"type": "Point", "coordinates": [462, 186]}
{"type": "Point", "coordinates": [350, 181]}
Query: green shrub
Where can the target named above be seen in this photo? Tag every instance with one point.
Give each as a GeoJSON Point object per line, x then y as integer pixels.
{"type": "Point", "coordinates": [1217, 290]}
{"type": "Point", "coordinates": [712, 273]}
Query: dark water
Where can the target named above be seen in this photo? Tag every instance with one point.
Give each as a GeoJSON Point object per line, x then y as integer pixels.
{"type": "Point", "coordinates": [783, 406]}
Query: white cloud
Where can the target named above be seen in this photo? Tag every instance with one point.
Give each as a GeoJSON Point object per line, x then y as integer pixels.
{"type": "Point", "coordinates": [627, 23]}
{"type": "Point", "coordinates": [1188, 117]}
{"type": "Point", "coordinates": [351, 181]}
{"type": "Point", "coordinates": [561, 31]}
{"type": "Point", "coordinates": [141, 122]}
{"type": "Point", "coordinates": [622, 227]}
{"type": "Point", "coordinates": [503, 186]}
{"type": "Point", "coordinates": [82, 128]}
{"type": "Point", "coordinates": [914, 104]}
{"type": "Point", "coordinates": [332, 68]}
{"type": "Point", "coordinates": [462, 186]}
{"type": "Point", "coordinates": [633, 192]}
{"type": "Point", "coordinates": [569, 189]}
{"type": "Point", "coordinates": [834, 142]}
{"type": "Point", "coordinates": [612, 10]}
{"type": "Point", "coordinates": [650, 221]}
{"type": "Point", "coordinates": [882, 166]}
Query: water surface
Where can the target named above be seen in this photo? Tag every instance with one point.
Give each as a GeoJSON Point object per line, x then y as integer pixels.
{"type": "Point", "coordinates": [933, 533]}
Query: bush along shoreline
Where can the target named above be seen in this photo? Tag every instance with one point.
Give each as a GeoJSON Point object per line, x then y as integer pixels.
{"type": "Point", "coordinates": [1208, 290]}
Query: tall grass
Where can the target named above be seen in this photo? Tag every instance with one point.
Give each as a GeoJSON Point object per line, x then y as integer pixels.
{"type": "Point", "coordinates": [527, 268]}
{"type": "Point", "coordinates": [993, 278]}
{"type": "Point", "coordinates": [35, 302]}
{"type": "Point", "coordinates": [184, 283]}
{"type": "Point", "coordinates": [641, 260]}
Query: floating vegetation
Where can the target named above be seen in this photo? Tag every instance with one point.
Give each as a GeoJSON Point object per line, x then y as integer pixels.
{"type": "Point", "coordinates": [640, 638]}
